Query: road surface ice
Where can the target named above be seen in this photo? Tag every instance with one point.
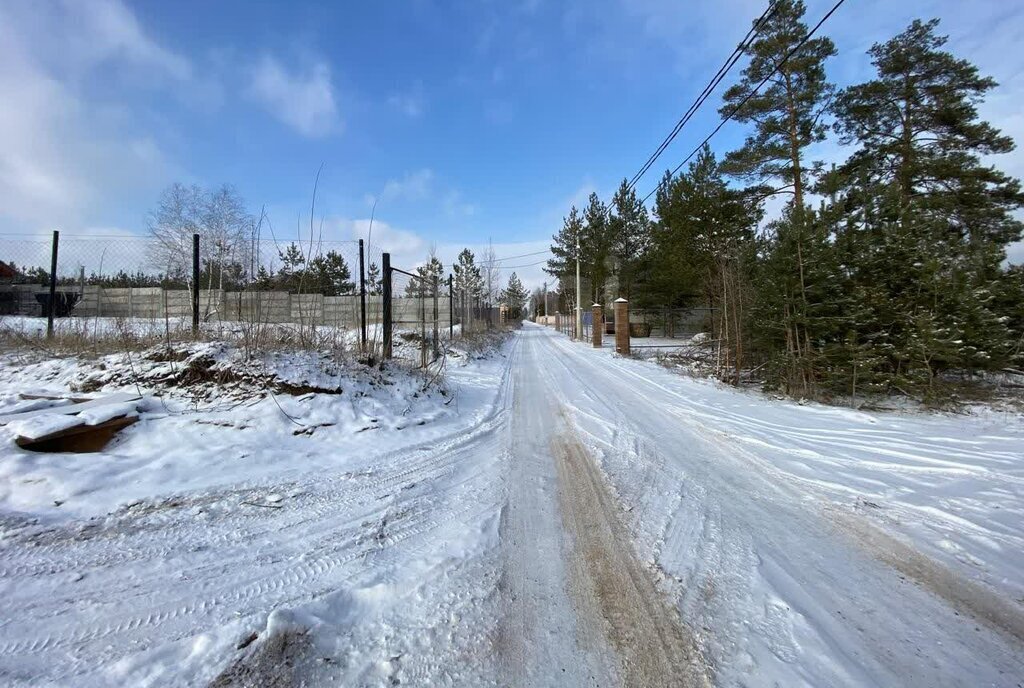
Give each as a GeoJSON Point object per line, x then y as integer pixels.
{"type": "Point", "coordinates": [581, 520]}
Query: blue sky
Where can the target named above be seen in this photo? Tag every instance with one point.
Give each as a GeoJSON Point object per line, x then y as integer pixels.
{"type": "Point", "coordinates": [466, 121]}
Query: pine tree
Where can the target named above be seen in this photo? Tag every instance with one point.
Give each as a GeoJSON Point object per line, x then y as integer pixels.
{"type": "Point", "coordinates": [424, 286]}
{"type": "Point", "coordinates": [373, 279]}
{"type": "Point", "coordinates": [786, 114]}
{"type": "Point", "coordinates": [931, 221]}
{"type": "Point", "coordinates": [918, 129]}
{"type": "Point", "coordinates": [514, 297]}
{"type": "Point", "coordinates": [467, 277]}
{"type": "Point", "coordinates": [629, 228]}
{"type": "Point", "coordinates": [290, 276]}
{"type": "Point", "coordinates": [562, 264]}
{"type": "Point", "coordinates": [702, 251]}
{"type": "Point", "coordinates": [786, 111]}
{"type": "Point", "coordinates": [595, 247]}
{"type": "Point", "coordinates": [265, 279]}
{"type": "Point", "coordinates": [329, 275]}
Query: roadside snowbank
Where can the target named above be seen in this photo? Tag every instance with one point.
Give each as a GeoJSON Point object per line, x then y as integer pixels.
{"type": "Point", "coordinates": [211, 418]}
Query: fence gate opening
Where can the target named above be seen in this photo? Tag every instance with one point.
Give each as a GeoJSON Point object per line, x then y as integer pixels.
{"type": "Point", "coordinates": [416, 309]}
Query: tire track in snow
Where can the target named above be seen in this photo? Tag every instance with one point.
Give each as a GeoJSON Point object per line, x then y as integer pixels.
{"type": "Point", "coordinates": [654, 647]}
{"type": "Point", "coordinates": [349, 538]}
{"type": "Point", "coordinates": [72, 546]}
{"type": "Point", "coordinates": [47, 540]}
{"type": "Point", "coordinates": [912, 636]}
{"type": "Point", "coordinates": [561, 533]}
{"type": "Point", "coordinates": [299, 580]}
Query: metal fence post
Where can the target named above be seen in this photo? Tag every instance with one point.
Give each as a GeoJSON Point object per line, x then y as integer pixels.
{"type": "Point", "coordinates": [386, 304]}
{"type": "Point", "coordinates": [451, 310]}
{"type": "Point", "coordinates": [362, 298]}
{"type": "Point", "coordinates": [437, 348]}
{"type": "Point", "coordinates": [423, 324]}
{"type": "Point", "coordinates": [53, 285]}
{"type": "Point", "coordinates": [195, 285]}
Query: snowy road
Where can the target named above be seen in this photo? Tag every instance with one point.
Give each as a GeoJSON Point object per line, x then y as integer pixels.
{"type": "Point", "coordinates": [603, 522]}
{"type": "Point", "coordinates": [779, 585]}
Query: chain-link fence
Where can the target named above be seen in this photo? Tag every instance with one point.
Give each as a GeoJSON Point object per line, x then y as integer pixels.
{"type": "Point", "coordinates": [173, 288]}
{"type": "Point", "coordinates": [412, 321]}
{"type": "Point", "coordinates": [472, 312]}
{"type": "Point", "coordinates": [261, 292]}
{"type": "Point", "coordinates": [421, 309]}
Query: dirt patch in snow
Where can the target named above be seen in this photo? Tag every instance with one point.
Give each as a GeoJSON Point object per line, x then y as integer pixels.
{"type": "Point", "coordinates": [210, 370]}
{"type": "Point", "coordinates": [268, 664]}
{"type": "Point", "coordinates": [612, 590]}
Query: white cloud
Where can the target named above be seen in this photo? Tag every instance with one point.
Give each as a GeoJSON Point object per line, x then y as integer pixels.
{"type": "Point", "coordinates": [455, 206]}
{"type": "Point", "coordinates": [421, 185]}
{"type": "Point", "coordinates": [302, 99]}
{"type": "Point", "coordinates": [410, 103]}
{"type": "Point", "coordinates": [413, 186]}
{"type": "Point", "coordinates": [62, 156]}
{"type": "Point", "coordinates": [107, 30]}
{"type": "Point", "coordinates": [409, 249]}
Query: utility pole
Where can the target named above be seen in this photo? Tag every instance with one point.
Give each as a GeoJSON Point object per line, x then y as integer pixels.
{"type": "Point", "coordinates": [579, 296]}
{"type": "Point", "coordinates": [545, 303]}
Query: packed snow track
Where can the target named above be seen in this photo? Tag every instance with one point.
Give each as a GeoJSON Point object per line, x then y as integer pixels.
{"type": "Point", "coordinates": [600, 522]}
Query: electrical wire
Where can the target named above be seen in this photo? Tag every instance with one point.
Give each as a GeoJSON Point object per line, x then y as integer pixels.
{"type": "Point", "coordinates": [512, 267]}
{"type": "Point", "coordinates": [521, 255]}
{"type": "Point", "coordinates": [737, 53]}
{"type": "Point", "coordinates": [750, 95]}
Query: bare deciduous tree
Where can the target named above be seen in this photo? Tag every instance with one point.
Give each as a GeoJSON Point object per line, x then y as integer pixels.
{"type": "Point", "coordinates": [218, 216]}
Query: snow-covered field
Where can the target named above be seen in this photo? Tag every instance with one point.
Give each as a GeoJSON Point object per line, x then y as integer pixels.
{"type": "Point", "coordinates": [555, 516]}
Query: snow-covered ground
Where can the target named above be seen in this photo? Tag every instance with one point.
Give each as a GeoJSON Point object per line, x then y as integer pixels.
{"type": "Point", "coordinates": [560, 516]}
{"type": "Point", "coordinates": [814, 545]}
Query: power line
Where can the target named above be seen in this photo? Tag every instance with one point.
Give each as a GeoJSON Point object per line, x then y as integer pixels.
{"type": "Point", "coordinates": [752, 93]}
{"type": "Point", "coordinates": [737, 53]}
{"type": "Point", "coordinates": [521, 255]}
{"type": "Point", "coordinates": [526, 265]}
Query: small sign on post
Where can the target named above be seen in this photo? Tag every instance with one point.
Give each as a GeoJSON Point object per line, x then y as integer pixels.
{"type": "Point", "coordinates": [622, 327]}
{"type": "Point", "coordinates": [596, 326]}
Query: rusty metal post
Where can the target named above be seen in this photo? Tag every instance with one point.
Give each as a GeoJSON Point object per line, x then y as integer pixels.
{"type": "Point", "coordinates": [622, 326]}
{"type": "Point", "coordinates": [423, 325]}
{"type": "Point", "coordinates": [596, 326]}
{"type": "Point", "coordinates": [437, 343]}
{"type": "Point", "coordinates": [53, 285]}
{"type": "Point", "coordinates": [362, 298]}
{"type": "Point", "coordinates": [386, 323]}
{"type": "Point", "coordinates": [195, 286]}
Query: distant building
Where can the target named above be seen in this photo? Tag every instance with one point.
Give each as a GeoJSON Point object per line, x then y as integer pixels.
{"type": "Point", "coordinates": [7, 272]}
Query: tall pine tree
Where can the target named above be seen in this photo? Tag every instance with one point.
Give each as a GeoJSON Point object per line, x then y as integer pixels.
{"type": "Point", "coordinates": [931, 221]}
{"type": "Point", "coordinates": [786, 113]}
{"type": "Point", "coordinates": [629, 228]}
{"type": "Point", "coordinates": [514, 296]}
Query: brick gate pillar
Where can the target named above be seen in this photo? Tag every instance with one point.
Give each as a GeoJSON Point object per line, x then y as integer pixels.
{"type": "Point", "coordinates": [596, 326]}
{"type": "Point", "coordinates": [622, 327]}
